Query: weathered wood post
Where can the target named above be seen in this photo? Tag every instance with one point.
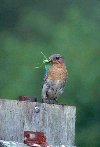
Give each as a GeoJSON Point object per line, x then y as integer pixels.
{"type": "Point", "coordinates": [56, 122]}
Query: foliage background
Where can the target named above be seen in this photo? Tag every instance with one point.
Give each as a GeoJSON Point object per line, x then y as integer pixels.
{"type": "Point", "coordinates": [71, 28]}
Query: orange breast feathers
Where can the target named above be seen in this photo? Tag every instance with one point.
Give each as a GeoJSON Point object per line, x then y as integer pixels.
{"type": "Point", "coordinates": [58, 72]}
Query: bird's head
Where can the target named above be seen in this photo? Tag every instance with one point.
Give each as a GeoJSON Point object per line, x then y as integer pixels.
{"type": "Point", "coordinates": [53, 59]}
{"type": "Point", "coordinates": [56, 59]}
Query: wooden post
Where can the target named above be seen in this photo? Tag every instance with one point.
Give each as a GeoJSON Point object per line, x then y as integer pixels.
{"type": "Point", "coordinates": [57, 122]}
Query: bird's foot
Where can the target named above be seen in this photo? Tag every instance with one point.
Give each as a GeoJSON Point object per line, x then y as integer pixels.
{"type": "Point", "coordinates": [50, 101]}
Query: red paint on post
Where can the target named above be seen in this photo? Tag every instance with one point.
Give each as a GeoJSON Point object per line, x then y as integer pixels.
{"type": "Point", "coordinates": [31, 138]}
{"type": "Point", "coordinates": [28, 98]}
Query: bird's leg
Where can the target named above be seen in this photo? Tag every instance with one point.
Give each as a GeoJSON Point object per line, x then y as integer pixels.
{"type": "Point", "coordinates": [53, 101]}
{"type": "Point", "coordinates": [56, 101]}
{"type": "Point", "coordinates": [45, 100]}
{"type": "Point", "coordinates": [50, 101]}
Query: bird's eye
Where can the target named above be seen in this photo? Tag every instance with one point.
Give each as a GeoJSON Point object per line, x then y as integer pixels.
{"type": "Point", "coordinates": [57, 58]}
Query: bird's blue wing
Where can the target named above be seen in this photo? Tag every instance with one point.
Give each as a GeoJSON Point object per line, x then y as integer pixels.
{"type": "Point", "coordinates": [47, 67]}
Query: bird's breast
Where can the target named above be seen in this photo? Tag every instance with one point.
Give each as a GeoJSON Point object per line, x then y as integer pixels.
{"type": "Point", "coordinates": [58, 72]}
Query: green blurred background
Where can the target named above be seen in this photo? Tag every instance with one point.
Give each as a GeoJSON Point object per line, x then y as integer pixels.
{"type": "Point", "coordinates": [71, 28]}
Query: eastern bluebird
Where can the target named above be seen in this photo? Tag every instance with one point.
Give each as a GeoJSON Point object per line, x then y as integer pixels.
{"type": "Point", "coordinates": [54, 79]}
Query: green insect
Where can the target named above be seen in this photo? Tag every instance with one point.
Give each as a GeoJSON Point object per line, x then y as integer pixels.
{"type": "Point", "coordinates": [45, 61]}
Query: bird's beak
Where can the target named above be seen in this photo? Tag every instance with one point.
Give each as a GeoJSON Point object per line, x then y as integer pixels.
{"type": "Point", "coordinates": [50, 59]}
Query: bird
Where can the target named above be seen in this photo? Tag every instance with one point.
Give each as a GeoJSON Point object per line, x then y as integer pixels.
{"type": "Point", "coordinates": [55, 78]}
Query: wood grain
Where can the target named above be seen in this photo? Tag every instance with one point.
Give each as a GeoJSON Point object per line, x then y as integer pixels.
{"type": "Point", "coordinates": [56, 121]}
